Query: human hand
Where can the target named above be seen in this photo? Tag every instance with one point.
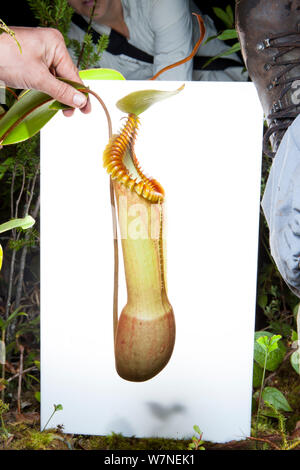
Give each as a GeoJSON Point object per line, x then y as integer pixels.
{"type": "Point", "coordinates": [44, 55]}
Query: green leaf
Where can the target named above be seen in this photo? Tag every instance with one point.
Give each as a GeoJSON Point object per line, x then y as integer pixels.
{"type": "Point", "coordinates": [38, 396]}
{"type": "Point", "coordinates": [24, 223]}
{"type": "Point", "coordinates": [197, 429]}
{"type": "Point", "coordinates": [26, 117]}
{"type": "Point", "coordinates": [5, 166]}
{"type": "Point", "coordinates": [224, 35]}
{"type": "Point", "coordinates": [262, 301]}
{"type": "Point", "coordinates": [269, 344]}
{"type": "Point", "coordinates": [100, 74]}
{"type": "Point", "coordinates": [57, 106]}
{"type": "Point", "coordinates": [138, 101]}
{"type": "Point", "coordinates": [1, 257]}
{"type": "Point", "coordinates": [273, 343]}
{"type": "Point", "coordinates": [273, 396]}
{"type": "Point", "coordinates": [4, 323]}
{"type": "Point", "coordinates": [227, 34]}
{"type": "Point", "coordinates": [58, 407]}
{"type": "Point", "coordinates": [230, 13]}
{"type": "Point", "coordinates": [15, 314]}
{"type": "Point", "coordinates": [275, 357]}
{"type": "Point", "coordinates": [294, 335]}
{"type": "Point", "coordinates": [295, 361]}
{"type": "Point", "coordinates": [257, 375]}
{"type": "Point", "coordinates": [223, 16]}
{"type": "Point", "coordinates": [29, 114]}
{"type": "Point", "coordinates": [235, 48]}
{"type": "Point", "coordinates": [263, 341]}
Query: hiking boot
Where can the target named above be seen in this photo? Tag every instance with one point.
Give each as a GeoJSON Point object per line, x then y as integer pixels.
{"type": "Point", "coordinates": [269, 33]}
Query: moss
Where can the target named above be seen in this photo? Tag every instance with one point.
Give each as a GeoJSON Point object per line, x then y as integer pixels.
{"type": "Point", "coordinates": [119, 442]}
{"type": "Point", "coordinates": [34, 440]}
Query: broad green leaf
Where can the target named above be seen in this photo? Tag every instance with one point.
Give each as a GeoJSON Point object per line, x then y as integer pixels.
{"type": "Point", "coordinates": [100, 74]}
{"type": "Point", "coordinates": [57, 106]}
{"type": "Point", "coordinates": [26, 117]}
{"type": "Point", "coordinates": [273, 396]}
{"type": "Point", "coordinates": [138, 101]}
{"type": "Point", "coordinates": [29, 114]}
{"type": "Point", "coordinates": [295, 361]}
{"type": "Point", "coordinates": [275, 357]}
{"type": "Point", "coordinates": [24, 223]}
{"type": "Point", "coordinates": [1, 257]}
{"type": "Point", "coordinates": [38, 396]}
{"type": "Point", "coordinates": [257, 375]}
{"type": "Point", "coordinates": [58, 407]}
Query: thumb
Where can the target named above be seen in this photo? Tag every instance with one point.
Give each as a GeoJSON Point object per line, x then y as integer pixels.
{"type": "Point", "coordinates": [62, 92]}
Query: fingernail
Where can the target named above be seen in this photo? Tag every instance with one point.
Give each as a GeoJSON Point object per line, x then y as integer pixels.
{"type": "Point", "coordinates": [79, 100]}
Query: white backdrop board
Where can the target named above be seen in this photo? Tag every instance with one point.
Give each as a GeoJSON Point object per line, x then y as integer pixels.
{"type": "Point", "coordinates": [204, 147]}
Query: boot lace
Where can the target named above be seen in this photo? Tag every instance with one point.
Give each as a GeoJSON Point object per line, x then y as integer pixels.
{"type": "Point", "coordinates": [282, 116]}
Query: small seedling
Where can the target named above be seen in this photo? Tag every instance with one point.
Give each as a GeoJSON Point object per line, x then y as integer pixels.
{"type": "Point", "coordinates": [197, 442]}
{"type": "Point", "coordinates": [56, 408]}
{"type": "Point", "coordinates": [269, 394]}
